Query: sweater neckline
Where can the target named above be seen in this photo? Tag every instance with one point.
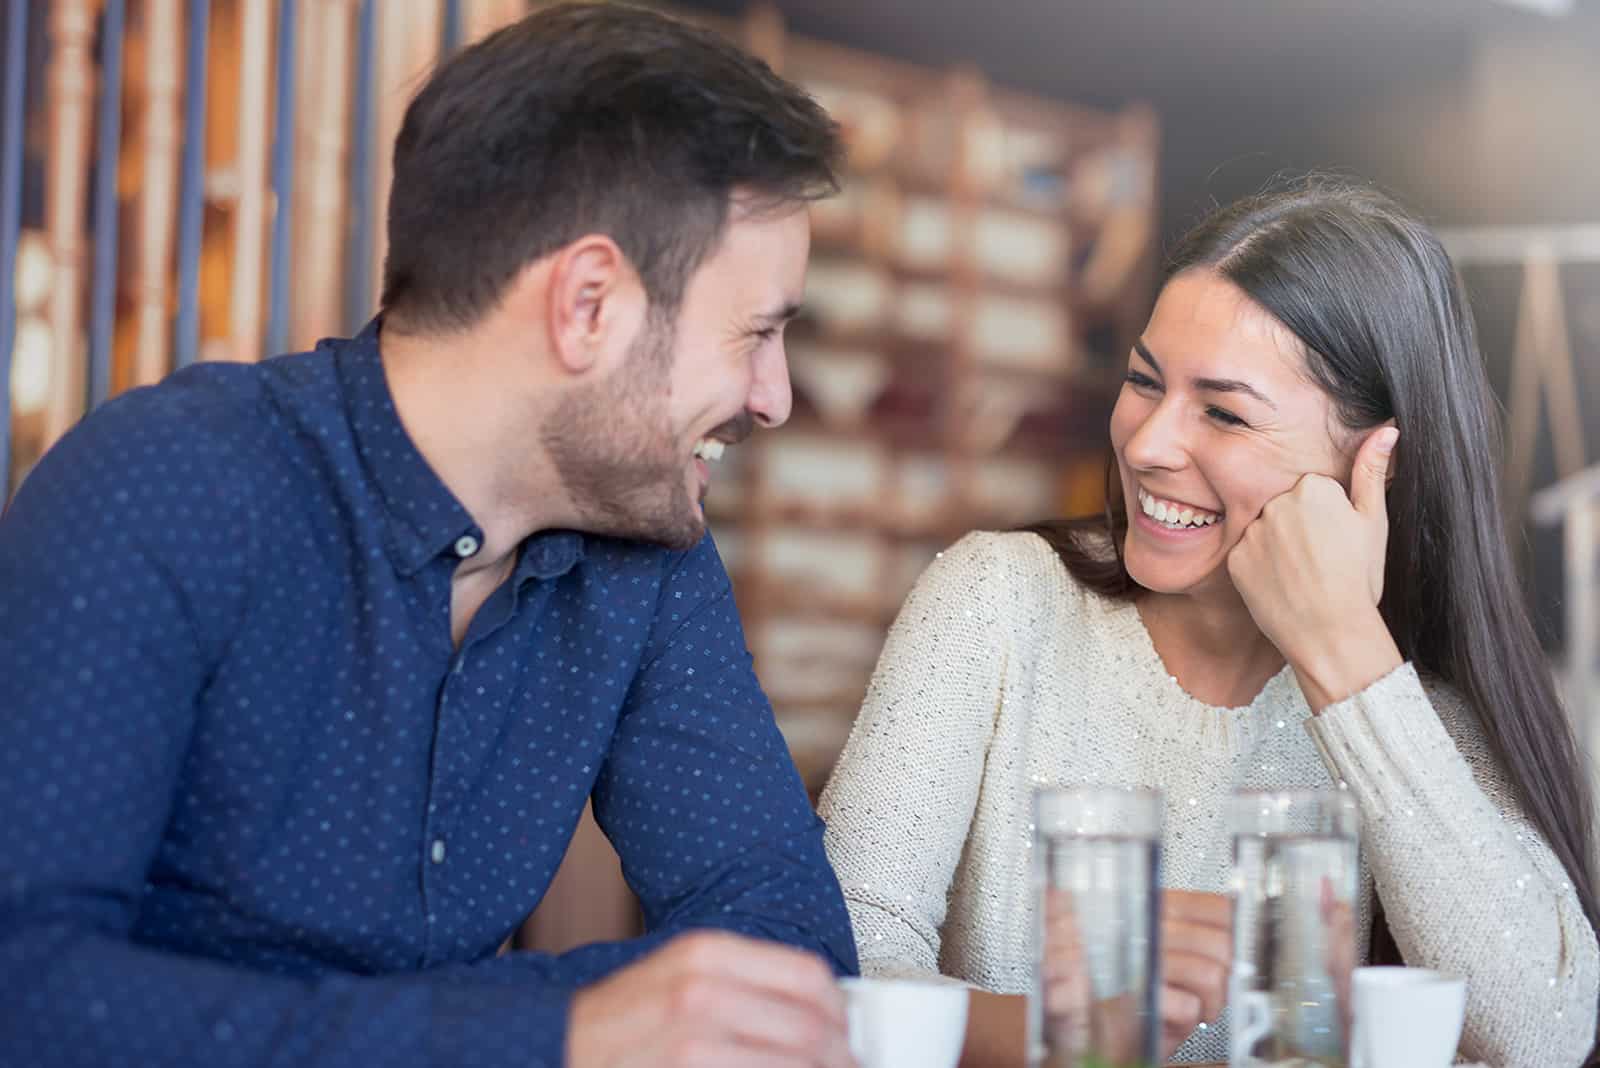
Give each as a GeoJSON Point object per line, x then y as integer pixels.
{"type": "Point", "coordinates": [1267, 699]}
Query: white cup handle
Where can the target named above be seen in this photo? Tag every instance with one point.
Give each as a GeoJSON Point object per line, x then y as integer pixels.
{"type": "Point", "coordinates": [1250, 1023]}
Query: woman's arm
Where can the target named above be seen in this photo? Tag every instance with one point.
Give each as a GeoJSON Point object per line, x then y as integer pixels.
{"type": "Point", "coordinates": [900, 802]}
{"type": "Point", "coordinates": [1468, 885]}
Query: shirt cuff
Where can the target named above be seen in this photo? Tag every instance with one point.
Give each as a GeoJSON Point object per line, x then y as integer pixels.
{"type": "Point", "coordinates": [493, 1025]}
{"type": "Point", "coordinates": [1387, 744]}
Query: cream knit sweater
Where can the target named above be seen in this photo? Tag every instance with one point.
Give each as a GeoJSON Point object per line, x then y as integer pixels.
{"type": "Point", "coordinates": [1001, 669]}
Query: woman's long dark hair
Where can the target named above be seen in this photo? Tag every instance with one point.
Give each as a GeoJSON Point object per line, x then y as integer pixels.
{"type": "Point", "coordinates": [1373, 298]}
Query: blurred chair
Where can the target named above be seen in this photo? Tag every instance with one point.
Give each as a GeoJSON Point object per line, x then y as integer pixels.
{"type": "Point", "coordinates": [587, 902]}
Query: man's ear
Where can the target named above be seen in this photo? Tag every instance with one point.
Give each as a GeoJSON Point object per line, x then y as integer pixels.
{"type": "Point", "coordinates": [595, 303]}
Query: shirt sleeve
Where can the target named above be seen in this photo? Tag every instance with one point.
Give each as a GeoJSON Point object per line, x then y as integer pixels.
{"type": "Point", "coordinates": [900, 803]}
{"type": "Point", "coordinates": [1468, 884]}
{"type": "Point", "coordinates": [699, 795]}
{"type": "Point", "coordinates": [123, 574]}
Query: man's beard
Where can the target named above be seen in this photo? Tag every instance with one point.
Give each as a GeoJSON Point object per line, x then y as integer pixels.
{"type": "Point", "coordinates": [613, 447]}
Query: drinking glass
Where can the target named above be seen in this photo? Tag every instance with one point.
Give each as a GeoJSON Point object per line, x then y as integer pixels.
{"type": "Point", "coordinates": [1294, 882]}
{"type": "Point", "coordinates": [1096, 869]}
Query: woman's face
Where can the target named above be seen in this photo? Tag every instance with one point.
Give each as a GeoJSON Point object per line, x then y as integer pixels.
{"type": "Point", "coordinates": [1217, 417]}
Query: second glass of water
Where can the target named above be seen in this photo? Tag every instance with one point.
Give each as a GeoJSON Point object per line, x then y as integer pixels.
{"type": "Point", "coordinates": [1295, 856]}
{"type": "Point", "coordinates": [1097, 861]}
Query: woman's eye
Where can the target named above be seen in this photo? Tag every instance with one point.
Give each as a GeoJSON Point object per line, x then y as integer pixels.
{"type": "Point", "coordinates": [1225, 417]}
{"type": "Point", "coordinates": [1139, 380]}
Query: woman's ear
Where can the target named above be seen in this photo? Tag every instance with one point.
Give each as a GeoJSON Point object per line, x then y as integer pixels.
{"type": "Point", "coordinates": [1388, 478]}
{"type": "Point", "coordinates": [1348, 442]}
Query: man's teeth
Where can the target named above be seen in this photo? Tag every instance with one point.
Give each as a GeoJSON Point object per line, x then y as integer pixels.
{"type": "Point", "coordinates": [709, 449]}
{"type": "Point", "coordinates": [1176, 516]}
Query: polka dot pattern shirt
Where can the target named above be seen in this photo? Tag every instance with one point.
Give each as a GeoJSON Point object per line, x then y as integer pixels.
{"type": "Point", "coordinates": [259, 810]}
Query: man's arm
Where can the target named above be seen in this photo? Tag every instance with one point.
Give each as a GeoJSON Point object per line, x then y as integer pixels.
{"type": "Point", "coordinates": [123, 574]}
{"type": "Point", "coordinates": [699, 794]}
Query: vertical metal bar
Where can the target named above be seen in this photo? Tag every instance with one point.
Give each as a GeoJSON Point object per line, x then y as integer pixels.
{"type": "Point", "coordinates": [450, 39]}
{"type": "Point", "coordinates": [358, 264]}
{"type": "Point", "coordinates": [11, 149]}
{"type": "Point", "coordinates": [282, 184]}
{"type": "Point", "coordinates": [108, 153]}
{"type": "Point", "coordinates": [192, 194]}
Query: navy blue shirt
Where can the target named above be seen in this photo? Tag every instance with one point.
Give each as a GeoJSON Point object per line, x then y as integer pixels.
{"type": "Point", "coordinates": [257, 809]}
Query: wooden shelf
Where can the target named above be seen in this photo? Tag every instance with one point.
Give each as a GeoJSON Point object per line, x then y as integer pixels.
{"type": "Point", "coordinates": [987, 284]}
{"type": "Point", "coordinates": [806, 602]}
{"type": "Point", "coordinates": [914, 180]}
{"type": "Point", "coordinates": [943, 529]}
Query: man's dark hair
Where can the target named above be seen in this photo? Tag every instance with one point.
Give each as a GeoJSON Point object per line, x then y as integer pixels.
{"type": "Point", "coordinates": [588, 118]}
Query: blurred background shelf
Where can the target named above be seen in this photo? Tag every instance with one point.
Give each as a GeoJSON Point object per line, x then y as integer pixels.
{"type": "Point", "coordinates": [973, 290]}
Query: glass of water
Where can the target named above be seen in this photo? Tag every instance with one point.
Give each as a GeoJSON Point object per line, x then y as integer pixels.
{"type": "Point", "coordinates": [1096, 865]}
{"type": "Point", "coordinates": [1295, 856]}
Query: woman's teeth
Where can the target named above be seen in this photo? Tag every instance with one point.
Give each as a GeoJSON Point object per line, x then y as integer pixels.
{"type": "Point", "coordinates": [1176, 516]}
{"type": "Point", "coordinates": [709, 449]}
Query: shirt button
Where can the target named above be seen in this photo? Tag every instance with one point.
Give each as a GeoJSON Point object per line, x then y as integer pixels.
{"type": "Point", "coordinates": [466, 545]}
{"type": "Point", "coordinates": [437, 852]}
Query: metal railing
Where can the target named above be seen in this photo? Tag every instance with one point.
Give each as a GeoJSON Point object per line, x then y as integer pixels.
{"type": "Point", "coordinates": [131, 245]}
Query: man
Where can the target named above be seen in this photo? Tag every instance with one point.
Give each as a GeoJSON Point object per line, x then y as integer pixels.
{"type": "Point", "coordinates": [308, 668]}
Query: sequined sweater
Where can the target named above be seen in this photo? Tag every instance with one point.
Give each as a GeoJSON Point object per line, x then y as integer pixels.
{"type": "Point", "coordinates": [1001, 669]}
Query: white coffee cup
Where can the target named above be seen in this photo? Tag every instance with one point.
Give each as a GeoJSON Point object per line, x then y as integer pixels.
{"type": "Point", "coordinates": [1406, 1018]}
{"type": "Point", "coordinates": [905, 1023]}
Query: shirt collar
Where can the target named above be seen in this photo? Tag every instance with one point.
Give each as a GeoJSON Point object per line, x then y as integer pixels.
{"type": "Point", "coordinates": [549, 554]}
{"type": "Point", "coordinates": [425, 520]}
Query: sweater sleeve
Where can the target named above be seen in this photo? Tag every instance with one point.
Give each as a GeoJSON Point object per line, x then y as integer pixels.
{"type": "Point", "coordinates": [1468, 885]}
{"type": "Point", "coordinates": [901, 799]}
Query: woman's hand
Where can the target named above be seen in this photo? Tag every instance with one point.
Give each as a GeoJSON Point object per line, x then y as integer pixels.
{"type": "Point", "coordinates": [1068, 1001]}
{"type": "Point", "coordinates": [1077, 1022]}
{"type": "Point", "coordinates": [1310, 569]}
{"type": "Point", "coordinates": [1196, 958]}
{"type": "Point", "coordinates": [1339, 928]}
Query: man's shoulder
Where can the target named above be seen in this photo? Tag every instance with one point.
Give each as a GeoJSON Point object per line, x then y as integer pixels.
{"type": "Point", "coordinates": [697, 568]}
{"type": "Point", "coordinates": [215, 405]}
{"type": "Point", "coordinates": [209, 403]}
{"type": "Point", "coordinates": [191, 440]}
{"type": "Point", "coordinates": [659, 588]}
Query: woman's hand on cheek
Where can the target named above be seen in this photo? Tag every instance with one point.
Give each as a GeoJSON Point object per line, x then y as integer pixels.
{"type": "Point", "coordinates": [1310, 569]}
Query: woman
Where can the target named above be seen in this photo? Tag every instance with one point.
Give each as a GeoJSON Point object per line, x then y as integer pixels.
{"type": "Point", "coordinates": [1303, 580]}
